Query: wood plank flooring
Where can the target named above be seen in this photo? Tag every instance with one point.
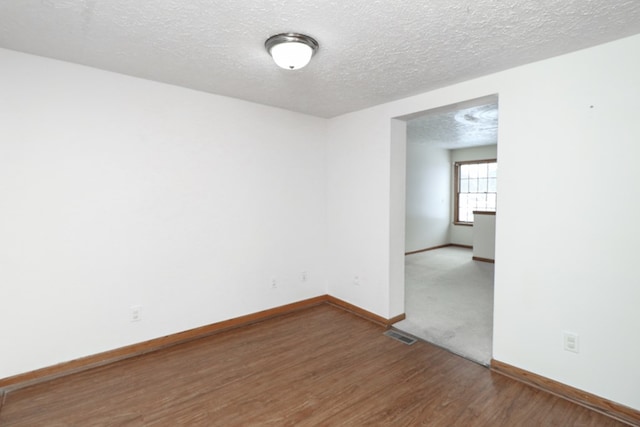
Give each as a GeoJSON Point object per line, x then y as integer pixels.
{"type": "Point", "coordinates": [319, 366]}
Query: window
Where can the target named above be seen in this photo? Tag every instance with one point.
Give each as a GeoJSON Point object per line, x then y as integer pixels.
{"type": "Point", "coordinates": [475, 189]}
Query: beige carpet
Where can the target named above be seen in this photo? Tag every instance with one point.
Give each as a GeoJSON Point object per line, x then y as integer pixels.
{"type": "Point", "coordinates": [449, 301]}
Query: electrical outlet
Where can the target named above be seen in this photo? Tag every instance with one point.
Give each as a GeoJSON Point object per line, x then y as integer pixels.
{"type": "Point", "coordinates": [274, 283]}
{"type": "Point", "coordinates": [356, 280]}
{"type": "Point", "coordinates": [135, 313]}
{"type": "Point", "coordinates": [571, 342]}
{"type": "Point", "coordinates": [304, 276]}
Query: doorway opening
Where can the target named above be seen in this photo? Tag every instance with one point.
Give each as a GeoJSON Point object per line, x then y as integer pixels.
{"type": "Point", "coordinates": [448, 286]}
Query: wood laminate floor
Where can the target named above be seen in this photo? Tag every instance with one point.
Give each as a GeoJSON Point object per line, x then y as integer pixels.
{"type": "Point", "coordinates": [319, 366]}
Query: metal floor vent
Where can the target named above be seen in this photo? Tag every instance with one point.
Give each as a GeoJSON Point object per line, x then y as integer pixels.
{"type": "Point", "coordinates": [400, 337]}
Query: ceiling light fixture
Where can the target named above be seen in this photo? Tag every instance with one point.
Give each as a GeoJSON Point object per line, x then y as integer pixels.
{"type": "Point", "coordinates": [291, 51]}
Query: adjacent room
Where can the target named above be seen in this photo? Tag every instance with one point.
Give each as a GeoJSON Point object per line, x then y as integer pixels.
{"type": "Point", "coordinates": [451, 201]}
{"type": "Point", "coordinates": [204, 211]}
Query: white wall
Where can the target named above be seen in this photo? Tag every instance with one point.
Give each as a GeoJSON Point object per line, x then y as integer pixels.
{"type": "Point", "coordinates": [565, 166]}
{"type": "Point", "coordinates": [116, 191]}
{"type": "Point", "coordinates": [568, 155]}
{"type": "Point", "coordinates": [484, 236]}
{"type": "Point", "coordinates": [358, 178]}
{"type": "Point", "coordinates": [463, 234]}
{"type": "Point", "coordinates": [428, 193]}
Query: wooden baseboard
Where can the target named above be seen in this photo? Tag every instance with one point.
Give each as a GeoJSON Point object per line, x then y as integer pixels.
{"type": "Point", "coordinates": [438, 247]}
{"type": "Point", "coordinates": [111, 356]}
{"type": "Point", "coordinates": [427, 249]}
{"type": "Point", "coordinates": [396, 319]}
{"type": "Point", "coordinates": [364, 313]}
{"type": "Point", "coordinates": [604, 406]}
{"type": "Point", "coordinates": [461, 246]}
{"type": "Point", "coordinates": [477, 258]}
{"type": "Point", "coordinates": [137, 349]}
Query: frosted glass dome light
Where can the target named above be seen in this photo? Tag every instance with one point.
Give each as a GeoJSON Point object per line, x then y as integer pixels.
{"type": "Point", "coordinates": [291, 51]}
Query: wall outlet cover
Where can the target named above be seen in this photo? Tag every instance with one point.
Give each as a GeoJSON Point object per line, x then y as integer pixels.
{"type": "Point", "coordinates": [571, 342]}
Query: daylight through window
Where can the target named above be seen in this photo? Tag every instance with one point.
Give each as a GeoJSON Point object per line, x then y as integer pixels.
{"type": "Point", "coordinates": [476, 189]}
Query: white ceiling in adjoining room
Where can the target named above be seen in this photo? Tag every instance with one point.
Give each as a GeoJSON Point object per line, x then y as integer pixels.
{"type": "Point", "coordinates": [452, 129]}
{"type": "Point", "coordinates": [371, 51]}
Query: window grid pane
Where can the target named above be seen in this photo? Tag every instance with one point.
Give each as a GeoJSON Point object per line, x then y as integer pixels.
{"type": "Point", "coordinates": [477, 189]}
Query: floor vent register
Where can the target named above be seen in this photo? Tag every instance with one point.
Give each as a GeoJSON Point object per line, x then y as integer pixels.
{"type": "Point", "coordinates": [400, 337]}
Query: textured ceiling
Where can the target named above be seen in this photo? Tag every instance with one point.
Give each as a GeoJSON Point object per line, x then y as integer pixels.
{"type": "Point", "coordinates": [371, 51]}
{"type": "Point", "coordinates": [454, 128]}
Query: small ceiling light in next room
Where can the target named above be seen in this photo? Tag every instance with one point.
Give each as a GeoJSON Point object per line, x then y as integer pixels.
{"type": "Point", "coordinates": [291, 51]}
